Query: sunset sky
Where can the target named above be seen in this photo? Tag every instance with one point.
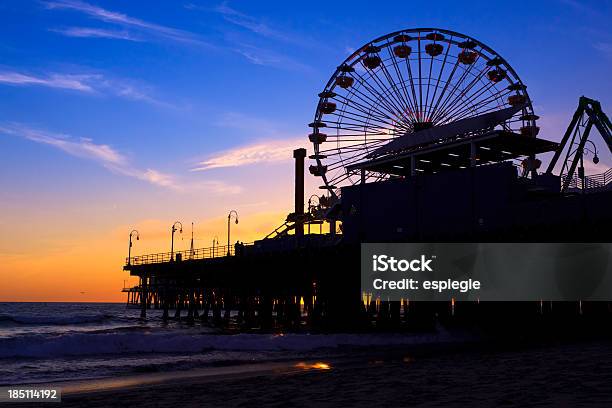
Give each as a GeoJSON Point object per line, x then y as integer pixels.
{"type": "Point", "coordinates": [118, 115]}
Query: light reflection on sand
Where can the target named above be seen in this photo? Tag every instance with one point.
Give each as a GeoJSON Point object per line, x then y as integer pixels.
{"type": "Point", "coordinates": [203, 375]}
{"type": "Point", "coordinates": [319, 365]}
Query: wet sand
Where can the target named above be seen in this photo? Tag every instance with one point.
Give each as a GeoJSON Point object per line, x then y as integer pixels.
{"type": "Point", "coordinates": [558, 376]}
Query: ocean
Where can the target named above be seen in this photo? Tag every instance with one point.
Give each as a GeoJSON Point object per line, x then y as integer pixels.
{"type": "Point", "coordinates": [51, 342]}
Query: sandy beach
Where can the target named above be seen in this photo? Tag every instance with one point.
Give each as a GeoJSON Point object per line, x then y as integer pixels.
{"type": "Point", "coordinates": [560, 376]}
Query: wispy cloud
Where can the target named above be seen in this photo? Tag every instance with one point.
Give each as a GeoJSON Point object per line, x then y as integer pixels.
{"type": "Point", "coordinates": [87, 83]}
{"type": "Point", "coordinates": [266, 57]}
{"type": "Point", "coordinates": [107, 16]}
{"type": "Point", "coordinates": [253, 24]}
{"type": "Point", "coordinates": [581, 6]}
{"type": "Point", "coordinates": [147, 30]}
{"type": "Point", "coordinates": [272, 151]}
{"type": "Point", "coordinates": [113, 160]}
{"type": "Point", "coordinates": [258, 55]}
{"type": "Point", "coordinates": [604, 47]}
{"type": "Point", "coordinates": [88, 32]}
{"type": "Point", "coordinates": [84, 147]}
{"type": "Point", "coordinates": [61, 81]}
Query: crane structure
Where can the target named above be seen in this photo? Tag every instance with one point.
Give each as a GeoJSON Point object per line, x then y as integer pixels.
{"type": "Point", "coordinates": [574, 142]}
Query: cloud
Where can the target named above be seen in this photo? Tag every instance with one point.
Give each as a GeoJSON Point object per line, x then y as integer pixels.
{"type": "Point", "coordinates": [581, 7]}
{"type": "Point", "coordinates": [88, 32]}
{"type": "Point", "coordinates": [61, 81]}
{"type": "Point", "coordinates": [107, 16]}
{"type": "Point", "coordinates": [269, 58]}
{"type": "Point", "coordinates": [254, 54]}
{"type": "Point", "coordinates": [592, 168]}
{"type": "Point", "coordinates": [604, 47]}
{"type": "Point", "coordinates": [273, 151]}
{"type": "Point", "coordinates": [113, 160]}
{"type": "Point", "coordinates": [88, 83]}
{"type": "Point", "coordinates": [252, 24]}
{"type": "Point", "coordinates": [84, 148]}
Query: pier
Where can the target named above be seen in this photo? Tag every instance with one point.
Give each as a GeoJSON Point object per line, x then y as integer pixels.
{"type": "Point", "coordinates": [460, 168]}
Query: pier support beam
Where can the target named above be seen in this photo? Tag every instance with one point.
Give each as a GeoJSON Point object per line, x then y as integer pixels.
{"type": "Point", "coordinates": [143, 297]}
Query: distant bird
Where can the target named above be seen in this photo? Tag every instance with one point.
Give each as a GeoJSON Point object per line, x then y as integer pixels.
{"type": "Point", "coordinates": [82, 293]}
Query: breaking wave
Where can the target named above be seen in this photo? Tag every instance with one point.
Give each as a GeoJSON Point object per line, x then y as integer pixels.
{"type": "Point", "coordinates": [145, 341]}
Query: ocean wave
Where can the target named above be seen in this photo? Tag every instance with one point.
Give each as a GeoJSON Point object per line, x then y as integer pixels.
{"type": "Point", "coordinates": [81, 344]}
{"type": "Point", "coordinates": [46, 320]}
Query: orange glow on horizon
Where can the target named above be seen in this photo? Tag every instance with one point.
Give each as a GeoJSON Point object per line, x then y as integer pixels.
{"type": "Point", "coordinates": [89, 268]}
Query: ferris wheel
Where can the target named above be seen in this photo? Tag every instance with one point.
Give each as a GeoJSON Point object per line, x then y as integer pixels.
{"type": "Point", "coordinates": [403, 83]}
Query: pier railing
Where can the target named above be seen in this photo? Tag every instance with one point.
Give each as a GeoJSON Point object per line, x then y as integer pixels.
{"type": "Point", "coordinates": [179, 256]}
{"type": "Point", "coordinates": [590, 182]}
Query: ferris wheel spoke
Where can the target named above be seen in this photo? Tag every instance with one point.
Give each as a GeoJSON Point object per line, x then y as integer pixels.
{"type": "Point", "coordinates": [360, 129]}
{"type": "Point", "coordinates": [455, 88]}
{"type": "Point", "coordinates": [448, 47]}
{"type": "Point", "coordinates": [425, 116]}
{"type": "Point", "coordinates": [483, 111]}
{"type": "Point", "coordinates": [332, 151]}
{"type": "Point", "coordinates": [443, 92]}
{"type": "Point", "coordinates": [398, 71]}
{"type": "Point", "coordinates": [398, 101]}
{"type": "Point", "coordinates": [450, 95]}
{"type": "Point", "coordinates": [375, 103]}
{"type": "Point", "coordinates": [483, 103]}
{"type": "Point", "coordinates": [363, 109]}
{"type": "Point", "coordinates": [358, 112]}
{"type": "Point", "coordinates": [464, 93]}
{"type": "Point", "coordinates": [412, 86]}
{"type": "Point", "coordinates": [370, 104]}
{"type": "Point", "coordinates": [385, 91]}
{"type": "Point", "coordinates": [350, 123]}
{"type": "Point", "coordinates": [339, 179]}
{"type": "Point", "coordinates": [448, 103]}
{"type": "Point", "coordinates": [466, 101]}
{"type": "Point", "coordinates": [420, 79]}
{"type": "Point", "coordinates": [407, 107]}
{"type": "Point", "coordinates": [355, 117]}
{"type": "Point", "coordinates": [393, 109]}
{"type": "Point", "coordinates": [478, 100]}
{"type": "Point", "coordinates": [347, 162]}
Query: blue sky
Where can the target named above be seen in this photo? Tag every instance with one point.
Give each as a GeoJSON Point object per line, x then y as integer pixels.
{"type": "Point", "coordinates": [169, 83]}
{"type": "Point", "coordinates": [122, 114]}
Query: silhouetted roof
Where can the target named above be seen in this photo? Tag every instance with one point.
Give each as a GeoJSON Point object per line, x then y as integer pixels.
{"type": "Point", "coordinates": [460, 127]}
{"type": "Point", "coordinates": [494, 146]}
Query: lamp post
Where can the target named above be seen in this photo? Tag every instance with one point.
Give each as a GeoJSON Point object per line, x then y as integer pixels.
{"type": "Point", "coordinates": [310, 206]}
{"type": "Point", "coordinates": [215, 242]}
{"type": "Point", "coordinates": [174, 229]}
{"type": "Point", "coordinates": [593, 152]}
{"type": "Point", "coordinates": [229, 218]}
{"type": "Point", "coordinates": [130, 247]}
{"type": "Point", "coordinates": [581, 174]}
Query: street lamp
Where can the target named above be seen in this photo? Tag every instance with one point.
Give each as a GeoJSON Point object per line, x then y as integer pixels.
{"type": "Point", "coordinates": [594, 152]}
{"type": "Point", "coordinates": [215, 242]}
{"type": "Point", "coordinates": [130, 247]}
{"type": "Point", "coordinates": [581, 174]}
{"type": "Point", "coordinates": [229, 218]}
{"type": "Point", "coordinates": [174, 229]}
